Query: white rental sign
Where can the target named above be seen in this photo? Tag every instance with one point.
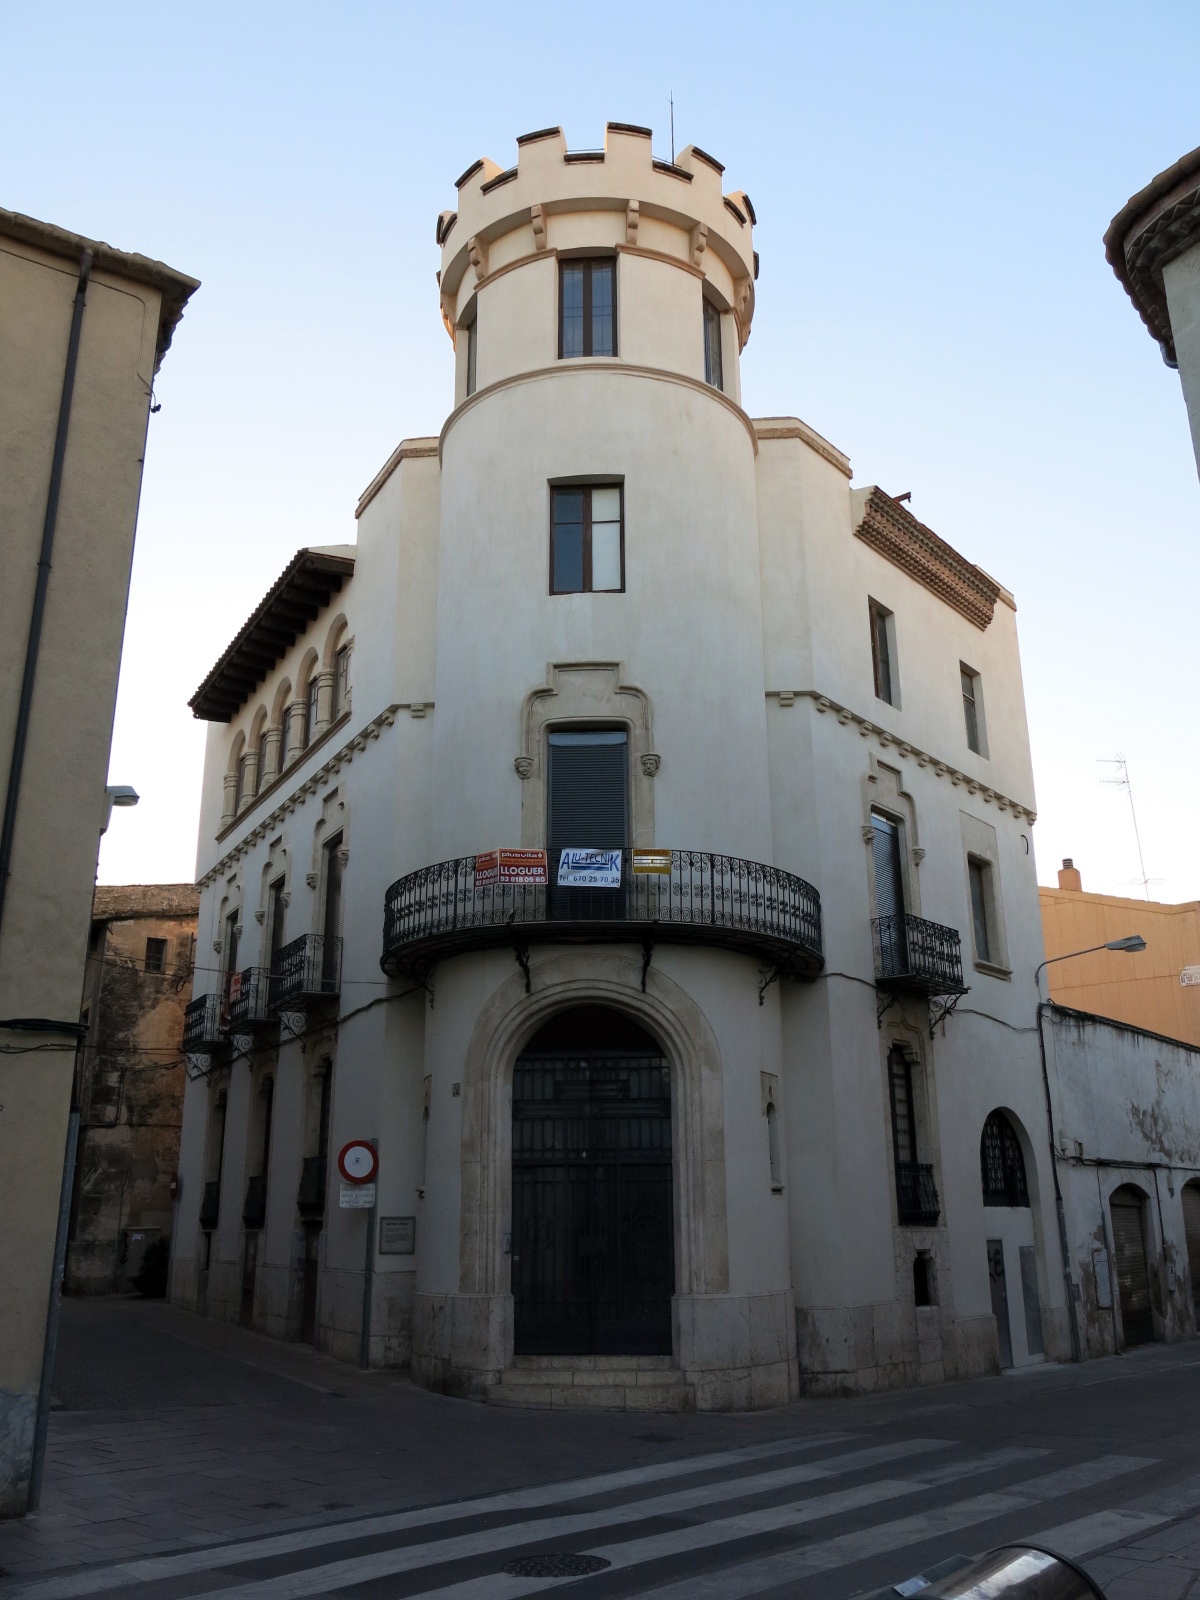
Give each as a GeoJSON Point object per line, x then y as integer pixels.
{"type": "Point", "coordinates": [596, 869]}
{"type": "Point", "coordinates": [1189, 975]}
{"type": "Point", "coordinates": [357, 1197]}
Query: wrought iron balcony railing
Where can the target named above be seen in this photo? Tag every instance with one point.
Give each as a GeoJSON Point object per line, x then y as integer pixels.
{"type": "Point", "coordinates": [310, 1201]}
{"type": "Point", "coordinates": [306, 972]}
{"type": "Point", "coordinates": [210, 1205]}
{"type": "Point", "coordinates": [250, 999]}
{"type": "Point", "coordinates": [917, 1203]}
{"type": "Point", "coordinates": [704, 898]}
{"type": "Point", "coordinates": [204, 1022]}
{"type": "Point", "coordinates": [254, 1212]}
{"type": "Point", "coordinates": [922, 957]}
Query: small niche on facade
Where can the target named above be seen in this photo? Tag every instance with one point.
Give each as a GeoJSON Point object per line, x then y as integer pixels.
{"type": "Point", "coordinates": [924, 1286]}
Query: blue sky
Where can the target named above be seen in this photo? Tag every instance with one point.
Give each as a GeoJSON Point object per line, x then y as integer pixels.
{"type": "Point", "coordinates": [931, 182]}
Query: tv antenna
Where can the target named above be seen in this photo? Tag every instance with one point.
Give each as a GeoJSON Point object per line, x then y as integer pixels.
{"type": "Point", "coordinates": [1121, 781]}
{"type": "Point", "coordinates": [672, 98]}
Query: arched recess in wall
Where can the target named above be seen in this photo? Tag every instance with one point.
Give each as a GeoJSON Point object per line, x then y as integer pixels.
{"type": "Point", "coordinates": [506, 1023]}
{"type": "Point", "coordinates": [1190, 1200]}
{"type": "Point", "coordinates": [1128, 1209]}
{"type": "Point", "coordinates": [335, 638]}
{"type": "Point", "coordinates": [1013, 1222]}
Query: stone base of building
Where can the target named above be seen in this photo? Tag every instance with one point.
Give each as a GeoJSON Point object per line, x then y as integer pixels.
{"type": "Point", "coordinates": [734, 1352]}
{"type": "Point", "coordinates": [18, 1414]}
{"type": "Point", "coordinates": [857, 1349]}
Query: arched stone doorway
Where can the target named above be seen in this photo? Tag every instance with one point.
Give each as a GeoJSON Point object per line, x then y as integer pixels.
{"type": "Point", "coordinates": [1012, 1242]}
{"type": "Point", "coordinates": [593, 1262]}
{"type": "Point", "coordinates": [1127, 1209]}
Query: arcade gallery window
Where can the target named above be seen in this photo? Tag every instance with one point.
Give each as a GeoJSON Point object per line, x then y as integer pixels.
{"type": "Point", "coordinates": [587, 539]}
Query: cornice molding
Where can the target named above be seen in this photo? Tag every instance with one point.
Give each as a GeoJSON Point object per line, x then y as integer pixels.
{"type": "Point", "coordinates": [406, 450]}
{"type": "Point", "coordinates": [905, 751]}
{"type": "Point", "coordinates": [1159, 223]}
{"type": "Point", "coordinates": [342, 757]}
{"type": "Point", "coordinates": [793, 428]}
{"type": "Point", "coordinates": [895, 534]}
{"type": "Point", "coordinates": [597, 364]}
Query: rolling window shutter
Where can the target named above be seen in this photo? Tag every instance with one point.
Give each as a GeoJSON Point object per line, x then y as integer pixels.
{"type": "Point", "coordinates": [889, 883]}
{"type": "Point", "coordinates": [588, 791]}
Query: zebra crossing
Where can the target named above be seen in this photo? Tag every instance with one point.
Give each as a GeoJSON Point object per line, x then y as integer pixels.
{"type": "Point", "coordinates": [715, 1526]}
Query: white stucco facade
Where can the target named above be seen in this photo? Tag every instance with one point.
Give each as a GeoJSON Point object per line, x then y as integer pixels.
{"type": "Point", "coordinates": [825, 1228]}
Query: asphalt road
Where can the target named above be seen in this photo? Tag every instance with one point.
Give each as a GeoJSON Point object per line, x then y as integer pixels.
{"type": "Point", "coordinates": [188, 1458]}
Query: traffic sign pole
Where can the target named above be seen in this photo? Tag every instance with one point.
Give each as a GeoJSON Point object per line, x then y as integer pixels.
{"type": "Point", "coordinates": [364, 1354]}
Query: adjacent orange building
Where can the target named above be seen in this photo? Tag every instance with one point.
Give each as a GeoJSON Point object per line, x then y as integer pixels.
{"type": "Point", "coordinates": [1158, 989]}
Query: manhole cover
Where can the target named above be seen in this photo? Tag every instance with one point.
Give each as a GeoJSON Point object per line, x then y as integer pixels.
{"type": "Point", "coordinates": [555, 1565]}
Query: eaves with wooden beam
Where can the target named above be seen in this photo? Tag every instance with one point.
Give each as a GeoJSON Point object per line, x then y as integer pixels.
{"type": "Point", "coordinates": [295, 599]}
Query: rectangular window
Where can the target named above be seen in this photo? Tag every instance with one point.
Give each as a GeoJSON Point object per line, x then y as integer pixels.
{"type": "Point", "coordinates": [587, 539]}
{"type": "Point", "coordinates": [231, 946]}
{"type": "Point", "coordinates": [587, 308]}
{"type": "Point", "coordinates": [277, 921]}
{"type": "Point", "coordinates": [882, 652]}
{"type": "Point", "coordinates": [156, 955]}
{"type": "Point", "coordinates": [713, 372]}
{"type": "Point", "coordinates": [472, 348]}
{"type": "Point", "coordinates": [889, 872]}
{"type": "Point", "coordinates": [341, 680]}
{"type": "Point", "coordinates": [588, 791]}
{"type": "Point", "coordinates": [980, 874]}
{"type": "Point", "coordinates": [972, 708]}
{"type": "Point", "coordinates": [904, 1130]}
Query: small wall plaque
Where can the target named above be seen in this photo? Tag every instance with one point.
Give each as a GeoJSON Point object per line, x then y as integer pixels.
{"type": "Point", "coordinates": [397, 1236]}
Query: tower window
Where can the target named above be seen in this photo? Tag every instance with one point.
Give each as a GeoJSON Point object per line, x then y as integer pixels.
{"type": "Point", "coordinates": [472, 355]}
{"type": "Point", "coordinates": [587, 308]}
{"type": "Point", "coordinates": [713, 371]}
{"type": "Point", "coordinates": [587, 539]}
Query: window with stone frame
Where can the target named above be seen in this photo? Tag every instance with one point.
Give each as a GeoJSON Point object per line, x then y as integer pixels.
{"type": "Point", "coordinates": [587, 538]}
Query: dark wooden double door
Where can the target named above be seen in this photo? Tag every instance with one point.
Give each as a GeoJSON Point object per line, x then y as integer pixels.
{"type": "Point", "coordinates": [593, 1266]}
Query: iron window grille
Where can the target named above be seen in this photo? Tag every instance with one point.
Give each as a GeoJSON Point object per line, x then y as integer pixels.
{"type": "Point", "coordinates": [587, 307]}
{"type": "Point", "coordinates": [587, 539]}
{"type": "Point", "coordinates": [917, 1203]}
{"type": "Point", "coordinates": [156, 955]}
{"type": "Point", "coordinates": [1002, 1164]}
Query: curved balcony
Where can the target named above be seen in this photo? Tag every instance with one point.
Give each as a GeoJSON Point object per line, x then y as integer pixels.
{"type": "Point", "coordinates": [704, 898]}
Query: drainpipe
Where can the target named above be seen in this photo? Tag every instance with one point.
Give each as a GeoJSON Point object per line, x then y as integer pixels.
{"type": "Point", "coordinates": [1076, 1348]}
{"type": "Point", "coordinates": [8, 830]}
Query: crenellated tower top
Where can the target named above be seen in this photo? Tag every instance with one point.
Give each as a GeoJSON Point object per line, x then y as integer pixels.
{"type": "Point", "coordinates": [676, 211]}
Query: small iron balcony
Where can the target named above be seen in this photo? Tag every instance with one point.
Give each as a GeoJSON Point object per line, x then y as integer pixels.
{"type": "Point", "coordinates": [204, 1023]}
{"type": "Point", "coordinates": [704, 898]}
{"type": "Point", "coordinates": [254, 1212]}
{"type": "Point", "coordinates": [917, 1203]}
{"type": "Point", "coordinates": [306, 972]}
{"type": "Point", "coordinates": [916, 956]}
{"type": "Point", "coordinates": [250, 999]}
{"type": "Point", "coordinates": [210, 1205]}
{"type": "Point", "coordinates": [310, 1201]}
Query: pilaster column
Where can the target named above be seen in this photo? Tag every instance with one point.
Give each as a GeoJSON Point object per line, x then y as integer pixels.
{"type": "Point", "coordinates": [324, 701]}
{"type": "Point", "coordinates": [272, 765]}
{"type": "Point", "coordinates": [229, 803]}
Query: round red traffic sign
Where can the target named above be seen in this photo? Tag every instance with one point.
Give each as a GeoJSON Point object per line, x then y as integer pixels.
{"type": "Point", "coordinates": [357, 1162]}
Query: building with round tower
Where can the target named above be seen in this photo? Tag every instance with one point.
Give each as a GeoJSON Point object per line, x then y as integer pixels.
{"type": "Point", "coordinates": [690, 788]}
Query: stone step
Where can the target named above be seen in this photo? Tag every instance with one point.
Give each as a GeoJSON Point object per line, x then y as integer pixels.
{"type": "Point", "coordinates": [563, 1384]}
{"type": "Point", "coordinates": [590, 1363]}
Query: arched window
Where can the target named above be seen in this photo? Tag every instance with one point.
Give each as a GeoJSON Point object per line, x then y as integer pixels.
{"type": "Point", "coordinates": [1002, 1166]}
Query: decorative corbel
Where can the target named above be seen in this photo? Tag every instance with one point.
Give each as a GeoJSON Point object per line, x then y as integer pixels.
{"type": "Point", "coordinates": [343, 856]}
{"type": "Point", "coordinates": [477, 252]}
{"type": "Point", "coordinates": [633, 215]}
{"type": "Point", "coordinates": [651, 763]}
{"type": "Point", "coordinates": [260, 917]}
{"type": "Point", "coordinates": [868, 832]}
{"type": "Point", "coordinates": [310, 879]}
{"type": "Point", "coordinates": [523, 766]}
{"type": "Point", "coordinates": [699, 243]}
{"type": "Point", "coordinates": [537, 220]}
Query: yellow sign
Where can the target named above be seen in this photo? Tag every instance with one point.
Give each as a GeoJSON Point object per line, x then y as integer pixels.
{"type": "Point", "coordinates": [651, 861]}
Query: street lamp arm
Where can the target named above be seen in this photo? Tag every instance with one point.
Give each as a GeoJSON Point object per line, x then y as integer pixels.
{"type": "Point", "coordinates": [1131, 944]}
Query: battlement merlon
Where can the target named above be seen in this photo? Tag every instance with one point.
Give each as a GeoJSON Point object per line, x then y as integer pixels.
{"type": "Point", "coordinates": [507, 215]}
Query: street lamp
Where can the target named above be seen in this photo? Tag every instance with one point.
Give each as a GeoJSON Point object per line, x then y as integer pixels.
{"type": "Point", "coordinates": [1131, 943]}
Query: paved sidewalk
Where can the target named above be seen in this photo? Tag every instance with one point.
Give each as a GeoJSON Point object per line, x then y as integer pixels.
{"type": "Point", "coordinates": [170, 1432]}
